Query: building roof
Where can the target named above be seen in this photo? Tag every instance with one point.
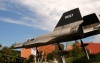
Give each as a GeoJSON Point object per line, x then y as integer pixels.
{"type": "Point", "coordinates": [94, 48]}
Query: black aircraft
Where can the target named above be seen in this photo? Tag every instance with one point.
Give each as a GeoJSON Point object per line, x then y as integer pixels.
{"type": "Point", "coordinates": [71, 26]}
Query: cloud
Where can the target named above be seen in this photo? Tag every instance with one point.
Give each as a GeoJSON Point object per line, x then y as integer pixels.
{"type": "Point", "coordinates": [2, 5]}
{"type": "Point", "coordinates": [44, 14]}
{"type": "Point", "coordinates": [23, 21]}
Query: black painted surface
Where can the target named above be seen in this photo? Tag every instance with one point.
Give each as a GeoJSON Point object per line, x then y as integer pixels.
{"type": "Point", "coordinates": [69, 17]}
{"type": "Point", "coordinates": [90, 19]}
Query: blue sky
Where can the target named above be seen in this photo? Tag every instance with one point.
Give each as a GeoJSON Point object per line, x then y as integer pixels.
{"type": "Point", "coordinates": [24, 19]}
{"type": "Point", "coordinates": [11, 33]}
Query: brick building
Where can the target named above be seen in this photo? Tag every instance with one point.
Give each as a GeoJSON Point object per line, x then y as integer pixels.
{"type": "Point", "coordinates": [93, 48]}
{"type": "Point", "coordinates": [26, 52]}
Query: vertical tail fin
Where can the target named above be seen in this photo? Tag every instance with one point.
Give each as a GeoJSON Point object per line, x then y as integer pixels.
{"type": "Point", "coordinates": [90, 20]}
{"type": "Point", "coordinates": [68, 18]}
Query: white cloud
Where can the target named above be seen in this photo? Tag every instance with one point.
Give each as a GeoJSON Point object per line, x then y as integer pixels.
{"type": "Point", "coordinates": [44, 14]}
{"type": "Point", "coordinates": [47, 12]}
{"type": "Point", "coordinates": [24, 21]}
{"type": "Point", "coordinates": [2, 6]}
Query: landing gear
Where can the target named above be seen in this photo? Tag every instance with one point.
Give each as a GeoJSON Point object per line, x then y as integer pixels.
{"type": "Point", "coordinates": [84, 48]}
{"type": "Point", "coordinates": [38, 56]}
{"type": "Point", "coordinates": [62, 56]}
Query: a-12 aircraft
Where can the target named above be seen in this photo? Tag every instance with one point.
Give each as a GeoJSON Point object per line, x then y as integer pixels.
{"type": "Point", "coordinates": [71, 26]}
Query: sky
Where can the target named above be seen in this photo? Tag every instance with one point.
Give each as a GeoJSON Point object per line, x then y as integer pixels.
{"type": "Point", "coordinates": [21, 20]}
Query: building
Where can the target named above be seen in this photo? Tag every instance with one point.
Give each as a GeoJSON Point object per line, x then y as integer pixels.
{"type": "Point", "coordinates": [26, 52]}
{"type": "Point", "coordinates": [93, 48]}
{"type": "Point", "coordinates": [69, 47]}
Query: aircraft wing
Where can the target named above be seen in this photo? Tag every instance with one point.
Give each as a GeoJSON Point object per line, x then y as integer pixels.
{"type": "Point", "coordinates": [18, 45]}
{"type": "Point", "coordinates": [34, 43]}
{"type": "Point", "coordinates": [95, 32]}
{"type": "Point", "coordinates": [70, 27]}
{"type": "Point", "coordinates": [90, 26]}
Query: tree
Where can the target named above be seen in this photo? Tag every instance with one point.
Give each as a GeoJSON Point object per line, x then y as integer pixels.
{"type": "Point", "coordinates": [78, 50]}
{"type": "Point", "coordinates": [55, 53]}
{"type": "Point", "coordinates": [9, 55]}
{"type": "Point", "coordinates": [0, 45]}
{"type": "Point", "coordinates": [49, 56]}
{"type": "Point", "coordinates": [31, 58]}
{"type": "Point", "coordinates": [76, 55]}
{"type": "Point", "coordinates": [94, 58]}
{"type": "Point", "coordinates": [52, 55]}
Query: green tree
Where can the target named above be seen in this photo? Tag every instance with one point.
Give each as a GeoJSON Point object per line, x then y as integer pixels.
{"type": "Point", "coordinates": [31, 58]}
{"type": "Point", "coordinates": [0, 45]}
{"type": "Point", "coordinates": [8, 54]}
{"type": "Point", "coordinates": [55, 53]}
{"type": "Point", "coordinates": [49, 57]}
{"type": "Point", "coordinates": [76, 55]}
{"type": "Point", "coordinates": [94, 58]}
{"type": "Point", "coordinates": [77, 51]}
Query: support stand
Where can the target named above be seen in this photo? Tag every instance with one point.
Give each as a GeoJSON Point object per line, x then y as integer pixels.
{"type": "Point", "coordinates": [62, 56]}
{"type": "Point", "coordinates": [38, 58]}
{"type": "Point", "coordinates": [84, 48]}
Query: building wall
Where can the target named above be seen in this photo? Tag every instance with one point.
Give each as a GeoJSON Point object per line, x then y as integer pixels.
{"type": "Point", "coordinates": [69, 48]}
{"type": "Point", "coordinates": [47, 49]}
{"type": "Point", "coordinates": [25, 53]}
{"type": "Point", "coordinates": [93, 48]}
